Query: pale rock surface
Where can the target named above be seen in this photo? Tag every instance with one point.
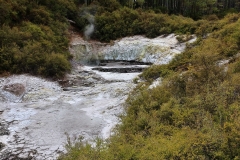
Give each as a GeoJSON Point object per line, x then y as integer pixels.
{"type": "Point", "coordinates": [159, 50]}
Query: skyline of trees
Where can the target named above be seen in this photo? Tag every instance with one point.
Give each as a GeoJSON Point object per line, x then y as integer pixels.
{"type": "Point", "coordinates": [194, 9]}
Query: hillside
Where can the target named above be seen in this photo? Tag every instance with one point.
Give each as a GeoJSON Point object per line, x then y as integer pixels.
{"type": "Point", "coordinates": [34, 38]}
{"type": "Point", "coordinates": [193, 114]}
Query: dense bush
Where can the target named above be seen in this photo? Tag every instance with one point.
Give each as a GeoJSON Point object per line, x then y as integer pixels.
{"type": "Point", "coordinates": [155, 71]}
{"type": "Point", "coordinates": [126, 22]}
{"type": "Point", "coordinates": [33, 35]}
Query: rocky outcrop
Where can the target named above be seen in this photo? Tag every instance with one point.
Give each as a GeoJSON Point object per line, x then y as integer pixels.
{"type": "Point", "coordinates": [11, 91]}
{"type": "Point", "coordinates": [16, 88]}
{"type": "Point", "coordinates": [159, 50]}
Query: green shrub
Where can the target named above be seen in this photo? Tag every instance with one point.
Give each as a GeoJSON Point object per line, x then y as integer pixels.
{"type": "Point", "coordinates": [56, 66]}
{"type": "Point", "coordinates": [126, 22]}
{"type": "Point", "coordinates": [236, 68]}
{"type": "Point", "coordinates": [29, 37]}
{"type": "Point", "coordinates": [155, 71]}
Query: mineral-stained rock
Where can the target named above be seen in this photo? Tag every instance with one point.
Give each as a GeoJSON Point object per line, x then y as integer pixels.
{"type": "Point", "coordinates": [15, 88]}
{"type": "Point", "coordinates": [3, 130]}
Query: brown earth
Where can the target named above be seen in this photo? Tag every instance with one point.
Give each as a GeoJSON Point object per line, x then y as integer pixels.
{"type": "Point", "coordinates": [15, 88]}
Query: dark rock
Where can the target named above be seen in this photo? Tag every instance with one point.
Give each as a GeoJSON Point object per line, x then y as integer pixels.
{"type": "Point", "coordinates": [120, 70]}
{"type": "Point", "coordinates": [3, 129]}
{"type": "Point", "coordinates": [122, 62]}
{"type": "Point", "coordinates": [72, 89]}
{"type": "Point", "coordinates": [1, 146]}
{"type": "Point", "coordinates": [8, 155]}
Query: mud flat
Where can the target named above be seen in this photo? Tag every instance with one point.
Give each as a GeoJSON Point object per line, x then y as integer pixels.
{"type": "Point", "coordinates": [35, 125]}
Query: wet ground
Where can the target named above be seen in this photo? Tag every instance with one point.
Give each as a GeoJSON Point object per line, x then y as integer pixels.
{"type": "Point", "coordinates": [35, 124]}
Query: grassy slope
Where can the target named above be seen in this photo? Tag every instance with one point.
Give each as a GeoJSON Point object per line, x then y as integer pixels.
{"type": "Point", "coordinates": [194, 114]}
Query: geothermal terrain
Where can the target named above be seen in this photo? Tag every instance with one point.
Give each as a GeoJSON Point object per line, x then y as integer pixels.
{"type": "Point", "coordinates": [37, 115]}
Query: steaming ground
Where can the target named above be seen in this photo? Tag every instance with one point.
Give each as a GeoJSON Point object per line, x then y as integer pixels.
{"type": "Point", "coordinates": [36, 121]}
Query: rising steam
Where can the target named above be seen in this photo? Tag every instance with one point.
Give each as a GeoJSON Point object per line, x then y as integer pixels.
{"type": "Point", "coordinates": [89, 29]}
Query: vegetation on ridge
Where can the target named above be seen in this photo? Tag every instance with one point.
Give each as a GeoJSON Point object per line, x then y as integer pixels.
{"type": "Point", "coordinates": [189, 8]}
